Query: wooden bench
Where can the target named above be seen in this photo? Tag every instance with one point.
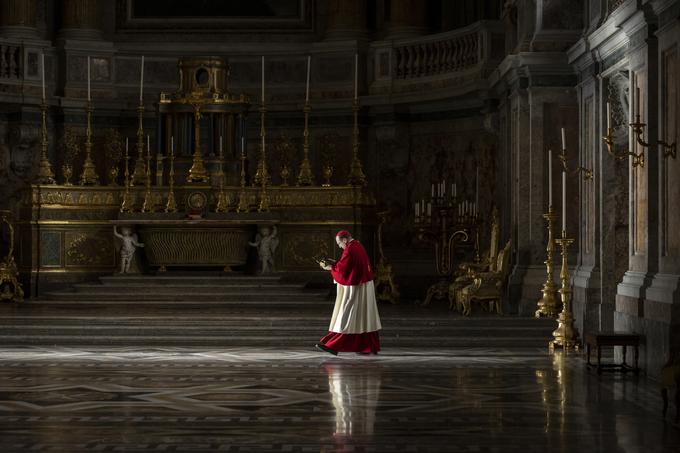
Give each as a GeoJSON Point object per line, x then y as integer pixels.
{"type": "Point", "coordinates": [604, 339]}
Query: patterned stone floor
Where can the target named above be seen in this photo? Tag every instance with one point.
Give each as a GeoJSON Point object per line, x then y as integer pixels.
{"type": "Point", "coordinates": [251, 400]}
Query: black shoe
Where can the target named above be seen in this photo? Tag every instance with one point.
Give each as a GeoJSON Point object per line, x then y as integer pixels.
{"type": "Point", "coordinates": [324, 348]}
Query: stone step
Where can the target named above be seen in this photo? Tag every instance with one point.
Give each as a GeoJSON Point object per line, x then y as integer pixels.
{"type": "Point", "coordinates": [104, 296]}
{"type": "Point", "coordinates": [322, 315]}
{"type": "Point", "coordinates": [387, 340]}
{"type": "Point", "coordinates": [224, 279]}
{"type": "Point", "coordinates": [172, 288]}
{"type": "Point", "coordinates": [246, 330]}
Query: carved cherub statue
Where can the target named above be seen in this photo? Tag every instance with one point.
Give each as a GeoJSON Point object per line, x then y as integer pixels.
{"type": "Point", "coordinates": [127, 250]}
{"type": "Point", "coordinates": [266, 242]}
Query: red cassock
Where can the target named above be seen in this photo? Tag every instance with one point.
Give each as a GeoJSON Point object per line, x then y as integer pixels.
{"type": "Point", "coordinates": [355, 323]}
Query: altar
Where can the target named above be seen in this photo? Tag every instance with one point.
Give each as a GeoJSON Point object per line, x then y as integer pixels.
{"type": "Point", "coordinates": [198, 205]}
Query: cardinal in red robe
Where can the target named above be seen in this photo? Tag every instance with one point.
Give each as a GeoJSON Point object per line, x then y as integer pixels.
{"type": "Point", "coordinates": [355, 323]}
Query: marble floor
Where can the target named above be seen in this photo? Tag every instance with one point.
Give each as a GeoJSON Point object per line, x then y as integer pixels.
{"type": "Point", "coordinates": [117, 399]}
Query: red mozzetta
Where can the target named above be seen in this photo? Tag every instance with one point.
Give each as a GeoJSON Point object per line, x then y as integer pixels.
{"type": "Point", "coordinates": [353, 267]}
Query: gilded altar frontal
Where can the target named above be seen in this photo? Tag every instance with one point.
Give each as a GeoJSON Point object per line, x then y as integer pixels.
{"type": "Point", "coordinates": [339, 225]}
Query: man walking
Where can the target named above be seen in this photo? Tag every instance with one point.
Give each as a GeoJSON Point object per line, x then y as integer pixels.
{"type": "Point", "coordinates": [355, 323]}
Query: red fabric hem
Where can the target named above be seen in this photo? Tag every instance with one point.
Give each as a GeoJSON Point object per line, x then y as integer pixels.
{"type": "Point", "coordinates": [352, 342]}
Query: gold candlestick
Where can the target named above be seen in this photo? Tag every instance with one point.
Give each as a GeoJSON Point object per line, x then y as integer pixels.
{"type": "Point", "coordinates": [139, 173]}
{"type": "Point", "coordinates": [547, 305]}
{"type": "Point", "coordinates": [147, 206]}
{"type": "Point", "coordinates": [356, 175]}
{"type": "Point", "coordinates": [242, 195]}
{"type": "Point", "coordinates": [222, 200]}
{"type": "Point", "coordinates": [565, 335]}
{"type": "Point", "coordinates": [264, 196]}
{"type": "Point", "coordinates": [89, 176]}
{"type": "Point", "coordinates": [305, 177]}
{"type": "Point", "coordinates": [45, 174]}
{"type": "Point", "coordinates": [197, 172]}
{"type": "Point", "coordinates": [171, 204]}
{"type": "Point", "coordinates": [126, 205]}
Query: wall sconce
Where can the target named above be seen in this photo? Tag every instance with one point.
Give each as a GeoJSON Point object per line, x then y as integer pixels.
{"type": "Point", "coordinates": [587, 172]}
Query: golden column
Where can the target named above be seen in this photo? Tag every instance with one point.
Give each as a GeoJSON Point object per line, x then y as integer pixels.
{"type": "Point", "coordinates": [139, 173]}
{"type": "Point", "coordinates": [89, 176]}
{"type": "Point", "coordinates": [197, 172]}
{"type": "Point", "coordinates": [171, 204]}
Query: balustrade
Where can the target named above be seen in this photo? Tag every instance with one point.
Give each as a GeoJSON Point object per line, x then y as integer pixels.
{"type": "Point", "coordinates": [10, 62]}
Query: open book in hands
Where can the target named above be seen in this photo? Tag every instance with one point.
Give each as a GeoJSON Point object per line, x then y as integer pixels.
{"type": "Point", "coordinates": [329, 261]}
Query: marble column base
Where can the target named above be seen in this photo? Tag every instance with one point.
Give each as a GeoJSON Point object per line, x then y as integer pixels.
{"type": "Point", "coordinates": [586, 303]}
{"type": "Point", "coordinates": [525, 284]}
{"type": "Point", "coordinates": [18, 31]}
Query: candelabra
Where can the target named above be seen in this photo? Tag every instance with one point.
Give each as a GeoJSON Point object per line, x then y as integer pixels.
{"type": "Point", "coordinates": [171, 204]}
{"type": "Point", "coordinates": [197, 172]}
{"type": "Point", "coordinates": [126, 205]}
{"type": "Point", "coordinates": [45, 174]}
{"type": "Point", "coordinates": [89, 175]}
{"type": "Point", "coordinates": [305, 177]}
{"type": "Point", "coordinates": [547, 305]}
{"type": "Point", "coordinates": [139, 173]}
{"type": "Point", "coordinates": [264, 196]}
{"type": "Point", "coordinates": [222, 200]}
{"type": "Point", "coordinates": [386, 288]}
{"type": "Point", "coordinates": [442, 225]}
{"type": "Point", "coordinates": [242, 195]}
{"type": "Point", "coordinates": [565, 335]}
{"type": "Point", "coordinates": [147, 206]}
{"type": "Point", "coordinates": [356, 175]}
{"type": "Point", "coordinates": [638, 159]}
{"type": "Point", "coordinates": [587, 172]}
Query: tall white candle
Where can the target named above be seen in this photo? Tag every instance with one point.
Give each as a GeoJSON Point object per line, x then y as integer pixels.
{"type": "Point", "coordinates": [309, 65]}
{"type": "Point", "coordinates": [263, 79]}
{"type": "Point", "coordinates": [172, 143]}
{"type": "Point", "coordinates": [126, 147]}
{"type": "Point", "coordinates": [432, 191]}
{"type": "Point", "coordinates": [220, 150]}
{"type": "Point", "coordinates": [637, 102]}
{"type": "Point", "coordinates": [564, 200]}
{"type": "Point", "coordinates": [148, 143]}
{"type": "Point", "coordinates": [550, 185]}
{"type": "Point", "coordinates": [609, 117]}
{"type": "Point", "coordinates": [89, 98]}
{"type": "Point", "coordinates": [243, 145]}
{"type": "Point", "coordinates": [455, 191]}
{"type": "Point", "coordinates": [564, 140]}
{"type": "Point", "coordinates": [141, 80]}
{"type": "Point", "coordinates": [356, 76]}
{"type": "Point", "coordinates": [42, 70]}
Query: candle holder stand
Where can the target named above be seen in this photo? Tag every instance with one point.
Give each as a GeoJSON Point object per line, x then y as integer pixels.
{"type": "Point", "coordinates": [548, 305]}
{"type": "Point", "coordinates": [139, 172]}
{"type": "Point", "coordinates": [197, 172]}
{"type": "Point", "coordinates": [305, 177]}
{"type": "Point", "coordinates": [126, 204]}
{"type": "Point", "coordinates": [565, 335]}
{"type": "Point", "coordinates": [356, 175]}
{"type": "Point", "coordinates": [89, 176]}
{"type": "Point", "coordinates": [264, 177]}
{"type": "Point", "coordinates": [242, 205]}
{"type": "Point", "coordinates": [222, 199]}
{"type": "Point", "coordinates": [147, 206]}
{"type": "Point", "coordinates": [45, 173]}
{"type": "Point", "coordinates": [171, 204]}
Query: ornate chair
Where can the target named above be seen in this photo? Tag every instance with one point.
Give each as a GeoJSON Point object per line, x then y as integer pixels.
{"type": "Point", "coordinates": [488, 286]}
{"type": "Point", "coordinates": [467, 270]}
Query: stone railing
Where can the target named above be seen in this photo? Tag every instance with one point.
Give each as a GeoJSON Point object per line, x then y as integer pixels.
{"type": "Point", "coordinates": [434, 56]}
{"type": "Point", "coordinates": [401, 65]}
{"type": "Point", "coordinates": [10, 62]}
{"type": "Point", "coordinates": [613, 4]}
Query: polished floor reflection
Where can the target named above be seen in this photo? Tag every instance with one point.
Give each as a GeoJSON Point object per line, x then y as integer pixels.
{"type": "Point", "coordinates": [247, 399]}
